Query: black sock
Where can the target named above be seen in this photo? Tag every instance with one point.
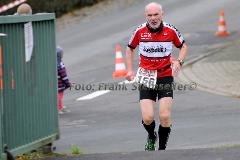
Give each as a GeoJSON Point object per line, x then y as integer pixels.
{"type": "Point", "coordinates": [150, 129]}
{"type": "Point", "coordinates": [163, 134]}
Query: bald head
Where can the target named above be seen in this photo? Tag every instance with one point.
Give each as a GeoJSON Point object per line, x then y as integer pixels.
{"type": "Point", "coordinates": [153, 6]}
{"type": "Point", "coordinates": [154, 13]}
{"type": "Point", "coordinates": [24, 9]}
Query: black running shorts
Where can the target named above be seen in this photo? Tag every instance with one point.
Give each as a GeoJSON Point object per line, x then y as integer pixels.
{"type": "Point", "coordinates": [163, 89]}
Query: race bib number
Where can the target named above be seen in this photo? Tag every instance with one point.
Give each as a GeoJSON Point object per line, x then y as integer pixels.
{"type": "Point", "coordinates": [146, 77]}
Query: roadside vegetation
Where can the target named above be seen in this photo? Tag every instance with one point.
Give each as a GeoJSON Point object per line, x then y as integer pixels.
{"type": "Point", "coordinates": [74, 151]}
{"type": "Point", "coordinates": [50, 6]}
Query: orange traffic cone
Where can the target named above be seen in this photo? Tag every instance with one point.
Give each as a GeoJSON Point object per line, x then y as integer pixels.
{"type": "Point", "coordinates": [222, 31]}
{"type": "Point", "coordinates": [120, 69]}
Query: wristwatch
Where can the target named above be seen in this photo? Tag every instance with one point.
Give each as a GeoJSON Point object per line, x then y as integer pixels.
{"type": "Point", "coordinates": [180, 61]}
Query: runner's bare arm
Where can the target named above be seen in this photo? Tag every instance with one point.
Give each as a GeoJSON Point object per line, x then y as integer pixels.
{"type": "Point", "coordinates": [130, 56]}
{"type": "Point", "coordinates": [182, 55]}
{"type": "Point", "coordinates": [183, 52]}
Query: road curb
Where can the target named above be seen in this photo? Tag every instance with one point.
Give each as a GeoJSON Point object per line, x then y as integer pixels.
{"type": "Point", "coordinates": [184, 76]}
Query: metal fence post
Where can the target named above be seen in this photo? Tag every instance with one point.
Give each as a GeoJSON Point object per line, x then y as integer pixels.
{"type": "Point", "coordinates": [1, 100]}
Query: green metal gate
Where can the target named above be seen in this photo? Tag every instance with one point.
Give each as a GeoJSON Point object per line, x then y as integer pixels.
{"type": "Point", "coordinates": [29, 117]}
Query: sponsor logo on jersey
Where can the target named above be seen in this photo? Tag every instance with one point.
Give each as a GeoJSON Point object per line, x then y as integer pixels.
{"type": "Point", "coordinates": [154, 49]}
{"type": "Point", "coordinates": [146, 35]}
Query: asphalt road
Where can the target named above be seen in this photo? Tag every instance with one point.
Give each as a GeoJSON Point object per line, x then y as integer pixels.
{"type": "Point", "coordinates": [112, 122]}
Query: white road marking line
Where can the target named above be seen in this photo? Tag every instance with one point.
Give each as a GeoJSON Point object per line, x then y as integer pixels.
{"type": "Point", "coordinates": [99, 93]}
{"type": "Point", "coordinates": [93, 95]}
{"type": "Point", "coordinates": [126, 82]}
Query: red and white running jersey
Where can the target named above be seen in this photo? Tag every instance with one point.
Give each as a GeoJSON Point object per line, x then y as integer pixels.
{"type": "Point", "coordinates": [155, 48]}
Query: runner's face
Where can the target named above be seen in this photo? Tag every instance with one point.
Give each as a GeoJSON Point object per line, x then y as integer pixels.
{"type": "Point", "coordinates": [153, 16]}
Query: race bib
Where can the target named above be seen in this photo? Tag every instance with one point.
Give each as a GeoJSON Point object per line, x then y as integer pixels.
{"type": "Point", "coordinates": [146, 77]}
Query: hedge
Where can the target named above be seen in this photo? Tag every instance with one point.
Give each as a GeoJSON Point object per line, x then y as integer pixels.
{"type": "Point", "coordinates": [58, 6]}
